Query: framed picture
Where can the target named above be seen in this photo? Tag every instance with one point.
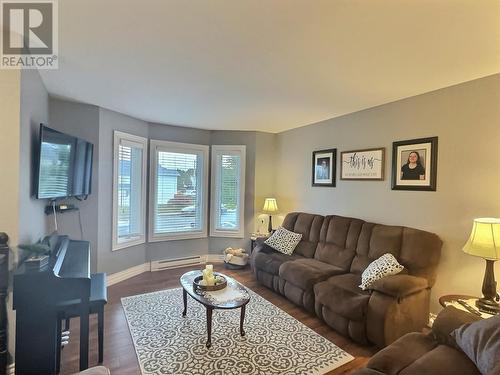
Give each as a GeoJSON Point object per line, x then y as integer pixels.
{"type": "Point", "coordinates": [414, 164]}
{"type": "Point", "coordinates": [362, 164]}
{"type": "Point", "coordinates": [324, 167]}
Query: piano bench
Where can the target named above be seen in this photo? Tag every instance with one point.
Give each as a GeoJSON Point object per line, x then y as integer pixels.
{"type": "Point", "coordinates": [98, 298]}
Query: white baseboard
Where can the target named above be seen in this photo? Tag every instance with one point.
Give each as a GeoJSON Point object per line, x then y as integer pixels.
{"type": "Point", "coordinates": [128, 273]}
{"type": "Point", "coordinates": [215, 258]}
{"type": "Point", "coordinates": [146, 267]}
{"type": "Point", "coordinates": [166, 264]}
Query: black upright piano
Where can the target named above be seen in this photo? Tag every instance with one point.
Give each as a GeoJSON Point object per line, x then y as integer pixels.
{"type": "Point", "coordinates": [40, 294]}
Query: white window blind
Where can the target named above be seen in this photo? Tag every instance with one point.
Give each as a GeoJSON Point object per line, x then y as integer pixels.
{"type": "Point", "coordinates": [129, 190]}
{"type": "Point", "coordinates": [228, 191]}
{"type": "Point", "coordinates": [178, 190]}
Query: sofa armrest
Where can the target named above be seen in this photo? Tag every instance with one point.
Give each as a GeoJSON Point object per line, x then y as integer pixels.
{"type": "Point", "coordinates": [260, 240]}
{"type": "Point", "coordinates": [399, 286]}
{"type": "Point", "coordinates": [259, 248]}
{"type": "Point", "coordinates": [449, 319]}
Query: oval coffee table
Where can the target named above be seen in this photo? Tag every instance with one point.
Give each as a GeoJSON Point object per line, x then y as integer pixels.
{"type": "Point", "coordinates": [211, 303]}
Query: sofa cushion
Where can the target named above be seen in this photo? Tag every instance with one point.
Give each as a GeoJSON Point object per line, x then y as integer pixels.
{"type": "Point", "coordinates": [338, 240]}
{"type": "Point", "coordinates": [401, 353]}
{"type": "Point", "coordinates": [417, 354]}
{"type": "Point", "coordinates": [442, 360]}
{"type": "Point", "coordinates": [342, 295]}
{"type": "Point", "coordinates": [417, 250]}
{"type": "Point", "coordinates": [304, 273]}
{"type": "Point", "coordinates": [309, 225]}
{"type": "Point", "coordinates": [374, 241]}
{"type": "Point", "coordinates": [284, 241]}
{"type": "Point", "coordinates": [400, 285]}
{"type": "Point", "coordinates": [481, 342]}
{"type": "Point", "coordinates": [270, 261]}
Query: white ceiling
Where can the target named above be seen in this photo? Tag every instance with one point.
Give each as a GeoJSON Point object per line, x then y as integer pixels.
{"type": "Point", "coordinates": [267, 65]}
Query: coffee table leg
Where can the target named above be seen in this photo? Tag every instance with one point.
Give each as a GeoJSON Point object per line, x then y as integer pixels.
{"type": "Point", "coordinates": [242, 319]}
{"type": "Point", "coordinates": [184, 299]}
{"type": "Point", "coordinates": [209, 327]}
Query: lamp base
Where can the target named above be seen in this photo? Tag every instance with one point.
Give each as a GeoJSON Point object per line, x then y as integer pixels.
{"type": "Point", "coordinates": [488, 302]}
{"type": "Point", "coordinates": [488, 306]}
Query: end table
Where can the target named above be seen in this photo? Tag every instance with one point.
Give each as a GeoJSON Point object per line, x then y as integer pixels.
{"type": "Point", "coordinates": [463, 302]}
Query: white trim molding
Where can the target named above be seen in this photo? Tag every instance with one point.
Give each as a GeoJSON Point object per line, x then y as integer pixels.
{"type": "Point", "coordinates": [215, 258]}
{"type": "Point", "coordinates": [132, 141]}
{"type": "Point", "coordinates": [117, 277]}
{"type": "Point", "coordinates": [215, 209]}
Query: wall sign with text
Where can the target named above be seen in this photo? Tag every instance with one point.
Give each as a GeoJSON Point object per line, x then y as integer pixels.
{"type": "Point", "coordinates": [362, 164]}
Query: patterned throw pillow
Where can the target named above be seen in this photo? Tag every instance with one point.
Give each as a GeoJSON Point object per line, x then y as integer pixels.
{"type": "Point", "coordinates": [284, 241]}
{"type": "Point", "coordinates": [386, 265]}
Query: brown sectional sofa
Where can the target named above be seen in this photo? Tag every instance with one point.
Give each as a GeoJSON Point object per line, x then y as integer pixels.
{"type": "Point", "coordinates": [324, 272]}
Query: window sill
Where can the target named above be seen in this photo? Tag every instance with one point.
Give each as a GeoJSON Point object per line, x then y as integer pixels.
{"type": "Point", "coordinates": [176, 237]}
{"type": "Point", "coordinates": [226, 234]}
{"type": "Point", "coordinates": [129, 243]}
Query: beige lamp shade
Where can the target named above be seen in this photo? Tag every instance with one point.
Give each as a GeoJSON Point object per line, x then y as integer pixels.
{"type": "Point", "coordinates": [484, 240]}
{"type": "Point", "coordinates": [270, 206]}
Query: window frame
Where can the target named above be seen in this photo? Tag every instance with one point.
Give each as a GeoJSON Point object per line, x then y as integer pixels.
{"type": "Point", "coordinates": [217, 150]}
{"type": "Point", "coordinates": [168, 146]}
{"type": "Point", "coordinates": [118, 137]}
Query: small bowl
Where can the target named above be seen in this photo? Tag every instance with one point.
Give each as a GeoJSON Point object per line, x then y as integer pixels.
{"type": "Point", "coordinates": [198, 288]}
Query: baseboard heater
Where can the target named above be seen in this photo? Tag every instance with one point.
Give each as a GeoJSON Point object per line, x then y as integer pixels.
{"type": "Point", "coordinates": [159, 265]}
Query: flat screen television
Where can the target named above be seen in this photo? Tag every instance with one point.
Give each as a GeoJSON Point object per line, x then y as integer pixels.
{"type": "Point", "coordinates": [64, 165]}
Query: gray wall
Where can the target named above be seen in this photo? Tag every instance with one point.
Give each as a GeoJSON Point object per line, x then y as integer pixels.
{"type": "Point", "coordinates": [80, 120]}
{"type": "Point", "coordinates": [34, 110]}
{"type": "Point", "coordinates": [265, 178]}
{"type": "Point", "coordinates": [464, 117]}
{"type": "Point", "coordinates": [107, 260]}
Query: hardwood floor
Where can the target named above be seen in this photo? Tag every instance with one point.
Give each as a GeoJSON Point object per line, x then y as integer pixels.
{"type": "Point", "coordinates": [119, 353]}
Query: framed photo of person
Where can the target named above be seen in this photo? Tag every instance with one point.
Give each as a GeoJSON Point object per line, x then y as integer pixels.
{"type": "Point", "coordinates": [364, 165]}
{"type": "Point", "coordinates": [414, 164]}
{"type": "Point", "coordinates": [324, 167]}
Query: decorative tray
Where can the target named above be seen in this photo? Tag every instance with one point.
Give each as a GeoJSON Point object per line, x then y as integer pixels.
{"type": "Point", "coordinates": [198, 288]}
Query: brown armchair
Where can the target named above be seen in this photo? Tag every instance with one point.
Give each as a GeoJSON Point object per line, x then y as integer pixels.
{"type": "Point", "coordinates": [434, 353]}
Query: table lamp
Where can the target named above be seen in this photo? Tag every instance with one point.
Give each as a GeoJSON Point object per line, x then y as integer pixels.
{"type": "Point", "coordinates": [484, 242]}
{"type": "Point", "coordinates": [270, 207]}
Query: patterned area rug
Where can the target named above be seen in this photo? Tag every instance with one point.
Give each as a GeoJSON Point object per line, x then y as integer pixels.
{"type": "Point", "coordinates": [275, 342]}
